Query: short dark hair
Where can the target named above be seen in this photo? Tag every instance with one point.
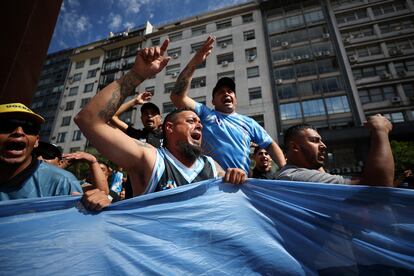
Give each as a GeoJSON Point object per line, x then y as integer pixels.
{"type": "Point", "coordinates": [257, 149]}
{"type": "Point", "coordinates": [294, 131]}
{"type": "Point", "coordinates": [47, 151]}
{"type": "Point", "coordinates": [171, 117]}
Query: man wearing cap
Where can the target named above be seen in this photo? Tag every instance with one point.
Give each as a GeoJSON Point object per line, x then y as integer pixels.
{"type": "Point", "coordinates": [21, 174]}
{"type": "Point", "coordinates": [150, 117]}
{"type": "Point", "coordinates": [227, 134]}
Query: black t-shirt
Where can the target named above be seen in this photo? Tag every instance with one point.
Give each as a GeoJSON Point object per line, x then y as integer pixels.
{"type": "Point", "coordinates": [263, 175]}
{"type": "Point", "coordinates": [152, 137]}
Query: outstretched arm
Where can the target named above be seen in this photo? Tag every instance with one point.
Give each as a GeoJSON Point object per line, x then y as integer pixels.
{"type": "Point", "coordinates": [137, 157]}
{"type": "Point", "coordinates": [98, 177]}
{"type": "Point", "coordinates": [179, 95]}
{"type": "Point", "coordinates": [379, 166]}
{"type": "Point", "coordinates": [140, 99]}
{"type": "Point", "coordinates": [277, 154]}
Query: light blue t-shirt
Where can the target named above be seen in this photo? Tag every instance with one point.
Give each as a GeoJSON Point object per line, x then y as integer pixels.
{"type": "Point", "coordinates": [227, 137]}
{"type": "Point", "coordinates": [45, 180]}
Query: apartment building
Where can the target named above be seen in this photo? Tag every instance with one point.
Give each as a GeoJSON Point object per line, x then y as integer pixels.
{"type": "Point", "coordinates": [332, 67]}
{"type": "Point", "coordinates": [49, 90]}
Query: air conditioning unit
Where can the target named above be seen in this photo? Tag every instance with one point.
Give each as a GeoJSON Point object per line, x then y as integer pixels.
{"type": "Point", "coordinates": [62, 107]}
{"type": "Point", "coordinates": [297, 58]}
{"type": "Point", "coordinates": [306, 57]}
{"type": "Point", "coordinates": [396, 100]}
{"type": "Point", "coordinates": [223, 45]}
{"type": "Point", "coordinates": [327, 53]}
{"type": "Point", "coordinates": [174, 75]}
{"type": "Point", "coordinates": [385, 76]}
{"type": "Point", "coordinates": [279, 81]}
{"type": "Point", "coordinates": [400, 52]}
{"type": "Point", "coordinates": [325, 35]}
{"type": "Point", "coordinates": [225, 63]}
{"type": "Point", "coordinates": [285, 44]}
{"type": "Point", "coordinates": [319, 54]}
{"type": "Point", "coordinates": [123, 62]}
{"type": "Point", "coordinates": [353, 59]}
{"type": "Point", "coordinates": [393, 52]}
{"type": "Point", "coordinates": [251, 58]}
{"type": "Point", "coordinates": [175, 56]}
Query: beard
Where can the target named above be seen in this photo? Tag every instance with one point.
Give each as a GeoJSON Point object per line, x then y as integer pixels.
{"type": "Point", "coordinates": [189, 151]}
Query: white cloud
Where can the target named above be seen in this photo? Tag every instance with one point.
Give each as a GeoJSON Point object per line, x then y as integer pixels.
{"type": "Point", "coordinates": [74, 24]}
{"type": "Point", "coordinates": [128, 25]}
{"type": "Point", "coordinates": [115, 21]}
{"type": "Point", "coordinates": [73, 3]}
{"type": "Point", "coordinates": [133, 6]}
{"type": "Point", "coordinates": [219, 4]}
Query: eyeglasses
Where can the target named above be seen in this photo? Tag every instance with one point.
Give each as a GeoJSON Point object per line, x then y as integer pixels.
{"type": "Point", "coordinates": [9, 125]}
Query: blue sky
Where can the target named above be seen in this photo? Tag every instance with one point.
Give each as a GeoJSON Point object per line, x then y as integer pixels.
{"type": "Point", "coordinates": [84, 21]}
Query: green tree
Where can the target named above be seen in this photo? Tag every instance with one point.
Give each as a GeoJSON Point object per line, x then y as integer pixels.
{"type": "Point", "coordinates": [403, 152]}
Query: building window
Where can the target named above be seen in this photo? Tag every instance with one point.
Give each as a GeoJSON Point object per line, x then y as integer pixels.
{"type": "Point", "coordinates": [248, 35]}
{"type": "Point", "coordinates": [155, 41]}
{"type": "Point", "coordinates": [77, 135]}
{"type": "Point", "coordinates": [196, 46]}
{"type": "Point", "coordinates": [224, 41]}
{"type": "Point", "coordinates": [228, 74]}
{"type": "Point", "coordinates": [255, 93]}
{"type": "Point", "coordinates": [370, 71]}
{"type": "Point", "coordinates": [174, 53]}
{"type": "Point", "coordinates": [352, 16]}
{"type": "Point", "coordinates": [253, 72]}
{"type": "Point", "coordinates": [198, 30]}
{"type": "Point", "coordinates": [290, 111]}
{"type": "Point", "coordinates": [70, 105]}
{"type": "Point", "coordinates": [73, 91]}
{"type": "Point", "coordinates": [368, 51]}
{"type": "Point", "coordinates": [150, 89]}
{"type": "Point", "coordinates": [396, 47]}
{"type": "Point", "coordinates": [251, 54]}
{"type": "Point", "coordinates": [66, 120]}
{"type": "Point", "coordinates": [84, 102]}
{"type": "Point", "coordinates": [88, 87]}
{"type": "Point", "coordinates": [223, 24]}
{"type": "Point", "coordinates": [61, 137]}
{"type": "Point", "coordinates": [91, 73]}
{"type": "Point", "coordinates": [409, 90]}
{"type": "Point", "coordinates": [377, 94]}
{"type": "Point", "coordinates": [175, 36]}
{"type": "Point", "coordinates": [77, 77]}
{"type": "Point", "coordinates": [337, 105]}
{"type": "Point", "coordinates": [115, 53]}
{"type": "Point", "coordinates": [246, 18]}
{"type": "Point", "coordinates": [74, 149]}
{"type": "Point", "coordinates": [173, 70]}
{"type": "Point", "coordinates": [132, 49]}
{"type": "Point", "coordinates": [168, 87]}
{"type": "Point", "coordinates": [167, 107]}
{"type": "Point", "coordinates": [94, 60]}
{"type": "Point", "coordinates": [305, 69]}
{"type": "Point", "coordinates": [259, 119]}
{"type": "Point", "coordinates": [313, 108]}
{"type": "Point", "coordinates": [225, 59]}
{"type": "Point", "coordinates": [396, 26]}
{"type": "Point", "coordinates": [287, 91]}
{"type": "Point", "coordinates": [332, 84]}
{"type": "Point", "coordinates": [314, 16]}
{"type": "Point", "coordinates": [198, 82]}
{"type": "Point", "coordinates": [284, 73]}
{"type": "Point", "coordinates": [389, 8]}
{"type": "Point", "coordinates": [396, 117]}
{"type": "Point", "coordinates": [79, 64]}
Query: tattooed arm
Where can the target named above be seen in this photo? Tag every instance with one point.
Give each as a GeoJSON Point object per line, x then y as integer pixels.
{"type": "Point", "coordinates": [137, 158]}
{"type": "Point", "coordinates": [179, 95]}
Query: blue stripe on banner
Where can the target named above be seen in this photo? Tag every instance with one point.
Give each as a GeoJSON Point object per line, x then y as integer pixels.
{"type": "Point", "coordinates": [265, 227]}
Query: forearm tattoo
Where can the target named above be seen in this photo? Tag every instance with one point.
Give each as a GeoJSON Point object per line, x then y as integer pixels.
{"type": "Point", "coordinates": [127, 85]}
{"type": "Point", "coordinates": [183, 80]}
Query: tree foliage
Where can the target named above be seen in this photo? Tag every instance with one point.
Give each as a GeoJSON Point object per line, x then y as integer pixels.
{"type": "Point", "coordinates": [403, 152]}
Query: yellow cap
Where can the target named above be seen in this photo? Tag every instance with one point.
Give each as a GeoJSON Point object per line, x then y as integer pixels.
{"type": "Point", "coordinates": [21, 109]}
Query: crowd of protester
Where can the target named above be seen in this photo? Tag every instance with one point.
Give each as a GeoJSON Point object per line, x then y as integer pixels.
{"type": "Point", "coordinates": [192, 143]}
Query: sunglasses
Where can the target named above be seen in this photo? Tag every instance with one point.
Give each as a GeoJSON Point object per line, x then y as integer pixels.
{"type": "Point", "coordinates": [10, 125]}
